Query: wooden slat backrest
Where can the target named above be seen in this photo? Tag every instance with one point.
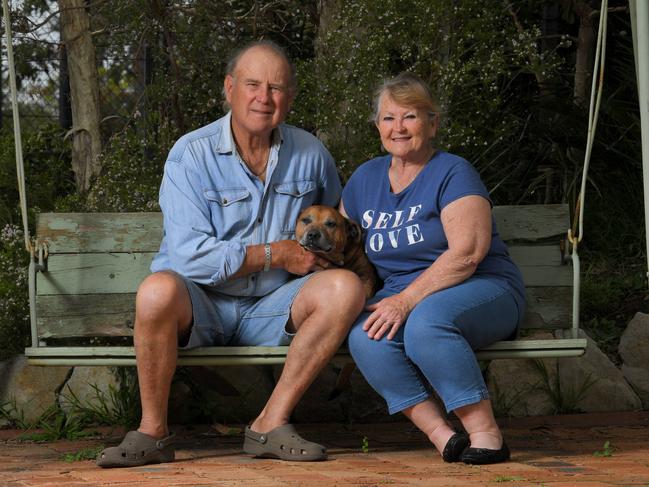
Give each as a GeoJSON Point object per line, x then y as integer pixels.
{"type": "Point", "coordinates": [81, 233]}
{"type": "Point", "coordinates": [97, 260]}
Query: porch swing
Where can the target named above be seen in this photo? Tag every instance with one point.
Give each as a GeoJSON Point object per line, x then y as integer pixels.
{"type": "Point", "coordinates": [85, 268]}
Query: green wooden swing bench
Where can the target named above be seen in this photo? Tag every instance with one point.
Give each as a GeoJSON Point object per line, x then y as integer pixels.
{"type": "Point", "coordinates": [84, 291]}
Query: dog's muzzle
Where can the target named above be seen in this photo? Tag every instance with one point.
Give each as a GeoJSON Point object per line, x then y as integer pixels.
{"type": "Point", "coordinates": [313, 240]}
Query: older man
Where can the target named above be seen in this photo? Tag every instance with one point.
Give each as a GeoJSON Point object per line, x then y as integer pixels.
{"type": "Point", "coordinates": [227, 269]}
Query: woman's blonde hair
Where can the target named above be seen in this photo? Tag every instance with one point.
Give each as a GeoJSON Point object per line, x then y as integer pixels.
{"type": "Point", "coordinates": [406, 89]}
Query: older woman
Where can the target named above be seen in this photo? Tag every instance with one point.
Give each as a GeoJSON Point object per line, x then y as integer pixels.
{"type": "Point", "coordinates": [449, 286]}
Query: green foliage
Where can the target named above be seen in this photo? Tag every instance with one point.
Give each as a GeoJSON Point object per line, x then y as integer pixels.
{"type": "Point", "coordinates": [48, 172]}
{"type": "Point", "coordinates": [14, 306]}
{"type": "Point", "coordinates": [48, 176]}
{"type": "Point", "coordinates": [508, 478]}
{"type": "Point", "coordinates": [481, 67]}
{"type": "Point", "coordinates": [612, 292]}
{"type": "Point", "coordinates": [365, 445]}
{"type": "Point", "coordinates": [55, 424]}
{"type": "Point", "coordinates": [504, 401]}
{"type": "Point", "coordinates": [131, 177]}
{"type": "Point", "coordinates": [565, 400]}
{"type": "Point", "coordinates": [89, 453]}
{"type": "Point", "coordinates": [606, 451]}
{"type": "Point", "coordinates": [119, 406]}
{"type": "Point", "coordinates": [503, 80]}
{"type": "Point", "coordinates": [10, 412]}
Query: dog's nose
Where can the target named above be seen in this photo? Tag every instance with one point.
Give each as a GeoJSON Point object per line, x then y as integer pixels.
{"type": "Point", "coordinates": [312, 235]}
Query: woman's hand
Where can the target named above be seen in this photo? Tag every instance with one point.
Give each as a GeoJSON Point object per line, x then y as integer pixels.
{"type": "Point", "coordinates": [387, 316]}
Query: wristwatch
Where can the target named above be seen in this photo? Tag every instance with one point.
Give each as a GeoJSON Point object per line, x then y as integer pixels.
{"type": "Point", "coordinates": [268, 257]}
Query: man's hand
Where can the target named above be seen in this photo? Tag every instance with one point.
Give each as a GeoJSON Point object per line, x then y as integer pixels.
{"type": "Point", "coordinates": [290, 255]}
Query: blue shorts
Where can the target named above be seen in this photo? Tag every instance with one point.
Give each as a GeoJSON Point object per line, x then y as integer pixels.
{"type": "Point", "coordinates": [219, 319]}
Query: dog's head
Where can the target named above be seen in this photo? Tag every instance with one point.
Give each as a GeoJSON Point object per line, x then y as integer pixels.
{"type": "Point", "coordinates": [324, 231]}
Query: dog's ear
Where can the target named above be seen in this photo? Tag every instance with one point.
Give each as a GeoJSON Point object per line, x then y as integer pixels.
{"type": "Point", "coordinates": [353, 231]}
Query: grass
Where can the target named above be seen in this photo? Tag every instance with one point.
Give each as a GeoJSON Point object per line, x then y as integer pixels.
{"type": "Point", "coordinates": [564, 400]}
{"type": "Point", "coordinates": [84, 454]}
{"type": "Point", "coordinates": [15, 416]}
{"type": "Point", "coordinates": [53, 424]}
{"type": "Point", "coordinates": [120, 405]}
{"type": "Point", "coordinates": [365, 445]}
{"type": "Point", "coordinates": [606, 451]}
{"type": "Point", "coordinates": [504, 401]}
{"type": "Point", "coordinates": [508, 478]}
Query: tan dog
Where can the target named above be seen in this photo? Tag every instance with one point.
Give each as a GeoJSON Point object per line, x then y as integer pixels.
{"type": "Point", "coordinates": [324, 231]}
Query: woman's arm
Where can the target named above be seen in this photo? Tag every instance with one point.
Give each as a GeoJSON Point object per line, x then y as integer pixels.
{"type": "Point", "coordinates": [467, 225]}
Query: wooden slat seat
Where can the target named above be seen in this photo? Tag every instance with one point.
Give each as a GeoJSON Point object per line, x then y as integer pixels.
{"type": "Point", "coordinates": [97, 260]}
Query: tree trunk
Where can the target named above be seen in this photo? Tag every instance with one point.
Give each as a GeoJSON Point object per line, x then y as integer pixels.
{"type": "Point", "coordinates": [84, 91]}
{"type": "Point", "coordinates": [65, 108]}
{"type": "Point", "coordinates": [168, 42]}
{"type": "Point", "coordinates": [585, 49]}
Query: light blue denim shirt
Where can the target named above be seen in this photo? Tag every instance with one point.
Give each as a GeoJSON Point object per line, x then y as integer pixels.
{"type": "Point", "coordinates": [214, 207]}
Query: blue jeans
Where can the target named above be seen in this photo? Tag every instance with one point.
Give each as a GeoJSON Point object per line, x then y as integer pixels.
{"type": "Point", "coordinates": [434, 347]}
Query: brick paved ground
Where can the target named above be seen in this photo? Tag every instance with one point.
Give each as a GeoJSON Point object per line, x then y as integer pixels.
{"type": "Point", "coordinates": [548, 451]}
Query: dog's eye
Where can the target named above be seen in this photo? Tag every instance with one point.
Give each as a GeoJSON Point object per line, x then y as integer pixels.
{"type": "Point", "coordinates": [306, 220]}
{"type": "Point", "coordinates": [330, 223]}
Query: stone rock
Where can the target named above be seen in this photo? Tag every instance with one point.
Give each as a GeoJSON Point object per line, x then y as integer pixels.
{"type": "Point", "coordinates": [549, 386]}
{"type": "Point", "coordinates": [592, 383]}
{"type": "Point", "coordinates": [634, 343]}
{"type": "Point", "coordinates": [31, 388]}
{"type": "Point", "coordinates": [86, 384]}
{"type": "Point", "coordinates": [516, 386]}
{"type": "Point", "coordinates": [638, 378]}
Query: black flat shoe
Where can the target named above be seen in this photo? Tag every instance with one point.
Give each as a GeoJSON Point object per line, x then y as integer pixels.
{"type": "Point", "coordinates": [485, 456]}
{"type": "Point", "coordinates": [454, 447]}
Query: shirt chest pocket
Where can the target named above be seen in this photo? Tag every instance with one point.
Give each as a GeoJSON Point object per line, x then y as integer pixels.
{"type": "Point", "coordinates": [230, 210]}
{"type": "Point", "coordinates": [292, 197]}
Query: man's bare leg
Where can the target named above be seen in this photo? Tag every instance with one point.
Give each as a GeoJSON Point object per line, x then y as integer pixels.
{"type": "Point", "coordinates": [163, 315]}
{"type": "Point", "coordinates": [322, 314]}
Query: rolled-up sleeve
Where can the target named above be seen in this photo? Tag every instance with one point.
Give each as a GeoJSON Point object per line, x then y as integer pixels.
{"type": "Point", "coordinates": [192, 247]}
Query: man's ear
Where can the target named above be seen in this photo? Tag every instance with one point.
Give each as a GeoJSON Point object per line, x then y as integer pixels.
{"type": "Point", "coordinates": [353, 231]}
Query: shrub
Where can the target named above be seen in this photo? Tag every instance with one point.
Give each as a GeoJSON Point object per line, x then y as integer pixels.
{"type": "Point", "coordinates": [14, 302]}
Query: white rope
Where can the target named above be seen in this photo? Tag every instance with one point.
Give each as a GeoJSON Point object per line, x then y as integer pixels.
{"type": "Point", "coordinates": [595, 99]}
{"type": "Point", "coordinates": [593, 112]}
{"type": "Point", "coordinates": [20, 168]}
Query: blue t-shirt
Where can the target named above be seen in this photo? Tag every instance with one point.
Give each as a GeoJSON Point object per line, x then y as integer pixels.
{"type": "Point", "coordinates": [404, 233]}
